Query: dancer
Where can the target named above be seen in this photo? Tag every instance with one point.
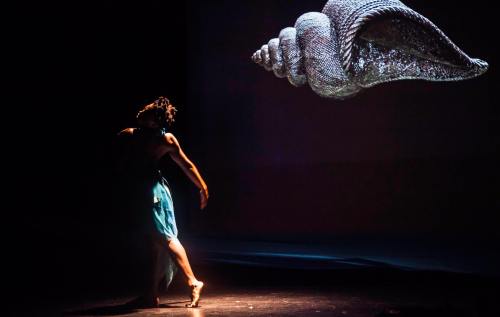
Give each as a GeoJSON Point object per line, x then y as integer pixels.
{"type": "Point", "coordinates": [142, 149]}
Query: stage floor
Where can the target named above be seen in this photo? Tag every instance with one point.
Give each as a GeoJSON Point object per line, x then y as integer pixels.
{"type": "Point", "coordinates": [249, 279]}
{"type": "Point", "coordinates": [263, 302]}
{"type": "Point", "coordinates": [249, 291]}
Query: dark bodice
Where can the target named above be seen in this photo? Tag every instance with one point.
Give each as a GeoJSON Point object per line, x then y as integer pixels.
{"type": "Point", "coordinates": [139, 159]}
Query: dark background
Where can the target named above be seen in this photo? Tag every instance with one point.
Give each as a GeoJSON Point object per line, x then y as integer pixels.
{"type": "Point", "coordinates": [409, 159]}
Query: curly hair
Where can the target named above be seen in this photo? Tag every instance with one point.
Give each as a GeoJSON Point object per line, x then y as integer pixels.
{"type": "Point", "coordinates": [161, 109]}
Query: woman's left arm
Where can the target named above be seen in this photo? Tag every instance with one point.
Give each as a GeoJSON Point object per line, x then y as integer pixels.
{"type": "Point", "coordinates": [177, 154]}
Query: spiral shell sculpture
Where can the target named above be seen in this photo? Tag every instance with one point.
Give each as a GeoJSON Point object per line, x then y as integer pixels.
{"type": "Point", "coordinates": [356, 44]}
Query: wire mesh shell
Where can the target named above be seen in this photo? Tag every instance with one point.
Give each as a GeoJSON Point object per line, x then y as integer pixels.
{"type": "Point", "coordinates": [356, 44]}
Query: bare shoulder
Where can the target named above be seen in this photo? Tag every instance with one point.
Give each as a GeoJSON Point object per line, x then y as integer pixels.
{"type": "Point", "coordinates": [171, 140]}
{"type": "Point", "coordinates": [126, 132]}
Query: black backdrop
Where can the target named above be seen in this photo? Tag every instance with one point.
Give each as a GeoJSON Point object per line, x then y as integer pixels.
{"type": "Point", "coordinates": [404, 159]}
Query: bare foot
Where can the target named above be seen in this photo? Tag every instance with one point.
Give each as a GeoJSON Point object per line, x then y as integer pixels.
{"type": "Point", "coordinates": [195, 294]}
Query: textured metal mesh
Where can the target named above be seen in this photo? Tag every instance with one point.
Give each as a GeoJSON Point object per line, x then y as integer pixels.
{"type": "Point", "coordinates": [356, 44]}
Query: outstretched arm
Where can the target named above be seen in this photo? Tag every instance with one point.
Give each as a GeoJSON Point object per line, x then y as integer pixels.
{"type": "Point", "coordinates": [121, 150]}
{"type": "Point", "coordinates": [188, 167]}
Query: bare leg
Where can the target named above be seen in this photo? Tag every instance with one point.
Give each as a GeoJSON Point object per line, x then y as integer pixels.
{"type": "Point", "coordinates": [182, 261]}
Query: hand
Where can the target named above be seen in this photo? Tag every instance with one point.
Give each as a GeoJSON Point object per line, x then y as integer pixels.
{"type": "Point", "coordinates": [203, 198]}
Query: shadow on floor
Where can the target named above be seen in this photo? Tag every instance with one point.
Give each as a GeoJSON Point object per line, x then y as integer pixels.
{"type": "Point", "coordinates": [120, 309]}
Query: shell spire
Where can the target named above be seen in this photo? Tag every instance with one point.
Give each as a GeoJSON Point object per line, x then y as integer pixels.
{"type": "Point", "coordinates": [356, 44]}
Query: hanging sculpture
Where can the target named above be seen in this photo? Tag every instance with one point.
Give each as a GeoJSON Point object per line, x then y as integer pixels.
{"type": "Point", "coordinates": [356, 44]}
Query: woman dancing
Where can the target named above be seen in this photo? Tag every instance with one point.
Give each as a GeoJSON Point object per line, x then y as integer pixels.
{"type": "Point", "coordinates": [142, 149]}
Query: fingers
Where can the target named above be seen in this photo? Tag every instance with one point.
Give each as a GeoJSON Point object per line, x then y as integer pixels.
{"type": "Point", "coordinates": [204, 202]}
{"type": "Point", "coordinates": [203, 199]}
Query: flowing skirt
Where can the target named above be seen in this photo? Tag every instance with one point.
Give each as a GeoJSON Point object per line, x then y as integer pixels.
{"type": "Point", "coordinates": [165, 229]}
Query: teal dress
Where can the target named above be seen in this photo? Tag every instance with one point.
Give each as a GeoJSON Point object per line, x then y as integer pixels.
{"type": "Point", "coordinates": [164, 224]}
{"type": "Point", "coordinates": [163, 210]}
{"type": "Point", "coordinates": [149, 196]}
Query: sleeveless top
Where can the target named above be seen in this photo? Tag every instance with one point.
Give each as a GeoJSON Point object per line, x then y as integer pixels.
{"type": "Point", "coordinates": [141, 166]}
{"type": "Point", "coordinates": [139, 174]}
